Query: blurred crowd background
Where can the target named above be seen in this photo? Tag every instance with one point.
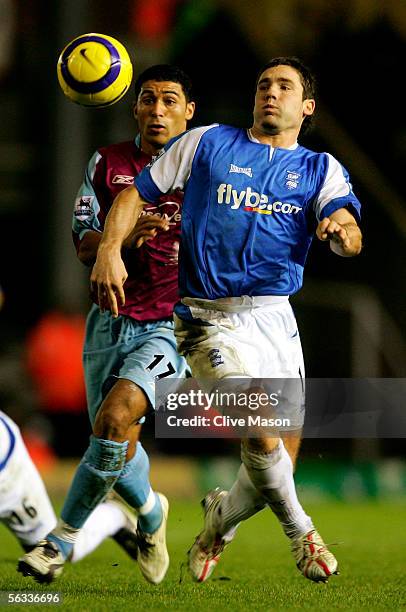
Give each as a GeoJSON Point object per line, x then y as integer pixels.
{"type": "Point", "coordinates": [352, 313]}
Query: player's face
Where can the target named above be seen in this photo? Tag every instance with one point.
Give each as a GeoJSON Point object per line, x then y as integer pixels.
{"type": "Point", "coordinates": [162, 112]}
{"type": "Point", "coordinates": [279, 105]}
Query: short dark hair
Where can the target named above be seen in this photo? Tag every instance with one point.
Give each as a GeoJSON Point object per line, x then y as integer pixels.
{"type": "Point", "coordinates": [307, 80]}
{"type": "Point", "coordinates": [165, 72]}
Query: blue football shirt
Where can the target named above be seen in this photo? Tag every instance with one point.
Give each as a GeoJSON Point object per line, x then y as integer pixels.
{"type": "Point", "coordinates": [249, 212]}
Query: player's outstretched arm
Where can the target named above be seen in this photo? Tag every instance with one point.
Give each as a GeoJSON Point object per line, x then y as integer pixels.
{"type": "Point", "coordinates": [109, 273]}
{"type": "Point", "coordinates": [341, 229]}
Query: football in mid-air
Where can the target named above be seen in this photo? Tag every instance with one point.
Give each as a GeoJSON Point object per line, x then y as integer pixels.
{"type": "Point", "coordinates": [94, 70]}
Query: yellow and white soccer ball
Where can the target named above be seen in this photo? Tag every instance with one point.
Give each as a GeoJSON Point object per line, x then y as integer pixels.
{"type": "Point", "coordinates": [94, 70]}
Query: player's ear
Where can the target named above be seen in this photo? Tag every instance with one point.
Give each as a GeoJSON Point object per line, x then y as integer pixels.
{"type": "Point", "coordinates": [309, 106]}
{"type": "Point", "coordinates": [135, 114]}
{"type": "Point", "coordinates": [190, 110]}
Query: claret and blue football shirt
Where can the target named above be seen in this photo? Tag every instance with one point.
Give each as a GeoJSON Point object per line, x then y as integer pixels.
{"type": "Point", "coordinates": [152, 285]}
{"type": "Point", "coordinates": [249, 211]}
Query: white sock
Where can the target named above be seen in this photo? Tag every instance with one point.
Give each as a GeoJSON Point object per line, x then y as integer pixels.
{"type": "Point", "coordinates": [242, 501]}
{"type": "Point", "coordinates": [272, 475]}
{"type": "Point", "coordinates": [105, 520]}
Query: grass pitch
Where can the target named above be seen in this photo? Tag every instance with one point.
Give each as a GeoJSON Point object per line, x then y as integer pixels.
{"type": "Point", "coordinates": [256, 572]}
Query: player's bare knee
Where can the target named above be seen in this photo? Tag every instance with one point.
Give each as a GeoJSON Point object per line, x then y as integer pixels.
{"type": "Point", "coordinates": [261, 445]}
{"type": "Point", "coordinates": [120, 412]}
{"type": "Point", "coordinates": [113, 422]}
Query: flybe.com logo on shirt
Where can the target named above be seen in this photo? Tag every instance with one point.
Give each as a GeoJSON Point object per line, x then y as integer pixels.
{"type": "Point", "coordinates": [253, 201]}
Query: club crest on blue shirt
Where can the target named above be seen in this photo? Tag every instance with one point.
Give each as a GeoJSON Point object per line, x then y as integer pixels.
{"type": "Point", "coordinates": [292, 179]}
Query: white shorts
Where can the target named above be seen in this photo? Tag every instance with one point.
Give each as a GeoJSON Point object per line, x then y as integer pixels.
{"type": "Point", "coordinates": [254, 337]}
{"type": "Point", "coordinates": [25, 507]}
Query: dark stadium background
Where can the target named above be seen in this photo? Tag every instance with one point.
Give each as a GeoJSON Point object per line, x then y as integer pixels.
{"type": "Point", "coordinates": [352, 313]}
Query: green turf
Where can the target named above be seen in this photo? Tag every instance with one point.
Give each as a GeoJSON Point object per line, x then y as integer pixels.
{"type": "Point", "coordinates": [256, 572]}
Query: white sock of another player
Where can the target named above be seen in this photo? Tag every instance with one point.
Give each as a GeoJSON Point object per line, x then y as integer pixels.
{"type": "Point", "coordinates": [105, 520]}
{"type": "Point", "coordinates": [242, 501]}
{"type": "Point", "coordinates": [272, 475]}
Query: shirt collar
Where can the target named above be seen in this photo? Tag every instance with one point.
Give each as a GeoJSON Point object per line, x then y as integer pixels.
{"type": "Point", "coordinates": [253, 139]}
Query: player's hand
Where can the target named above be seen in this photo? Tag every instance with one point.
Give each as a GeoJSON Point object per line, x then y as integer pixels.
{"type": "Point", "coordinates": [147, 227]}
{"type": "Point", "coordinates": [107, 280]}
{"type": "Point", "coordinates": [328, 229]}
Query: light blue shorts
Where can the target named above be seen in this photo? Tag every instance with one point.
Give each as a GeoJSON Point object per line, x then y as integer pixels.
{"type": "Point", "coordinates": [125, 348]}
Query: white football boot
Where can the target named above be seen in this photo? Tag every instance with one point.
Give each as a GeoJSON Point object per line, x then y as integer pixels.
{"type": "Point", "coordinates": [209, 544]}
{"type": "Point", "coordinates": [153, 557]}
{"type": "Point", "coordinates": [44, 563]}
{"type": "Point", "coordinates": [313, 558]}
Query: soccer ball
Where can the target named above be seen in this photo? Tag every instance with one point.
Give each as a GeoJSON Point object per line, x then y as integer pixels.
{"type": "Point", "coordinates": [94, 70]}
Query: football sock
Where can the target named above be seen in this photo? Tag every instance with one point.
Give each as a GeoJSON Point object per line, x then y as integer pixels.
{"type": "Point", "coordinates": [242, 501]}
{"type": "Point", "coordinates": [97, 472]}
{"type": "Point", "coordinates": [64, 536]}
{"type": "Point", "coordinates": [104, 521]}
{"type": "Point", "coordinates": [272, 475]}
{"type": "Point", "coordinates": [133, 485]}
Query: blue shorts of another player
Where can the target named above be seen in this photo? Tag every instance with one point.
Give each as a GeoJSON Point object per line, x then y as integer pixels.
{"type": "Point", "coordinates": [142, 352]}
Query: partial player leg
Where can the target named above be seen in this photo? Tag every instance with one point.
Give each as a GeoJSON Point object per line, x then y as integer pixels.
{"type": "Point", "coordinates": [96, 474]}
{"type": "Point", "coordinates": [269, 468]}
{"type": "Point", "coordinates": [155, 358]}
{"type": "Point", "coordinates": [152, 509]}
{"type": "Point", "coordinates": [116, 426]}
{"type": "Point", "coordinates": [223, 513]}
{"type": "Point", "coordinates": [111, 518]}
{"type": "Point", "coordinates": [292, 444]}
{"type": "Point", "coordinates": [127, 403]}
{"type": "Point", "coordinates": [242, 501]}
{"type": "Point", "coordinates": [94, 478]}
{"type": "Point", "coordinates": [133, 483]}
{"type": "Point", "coordinates": [271, 472]}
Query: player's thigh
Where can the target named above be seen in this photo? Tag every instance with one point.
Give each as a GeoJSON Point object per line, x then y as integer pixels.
{"type": "Point", "coordinates": [277, 338]}
{"type": "Point", "coordinates": [212, 350]}
{"type": "Point", "coordinates": [282, 368]}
